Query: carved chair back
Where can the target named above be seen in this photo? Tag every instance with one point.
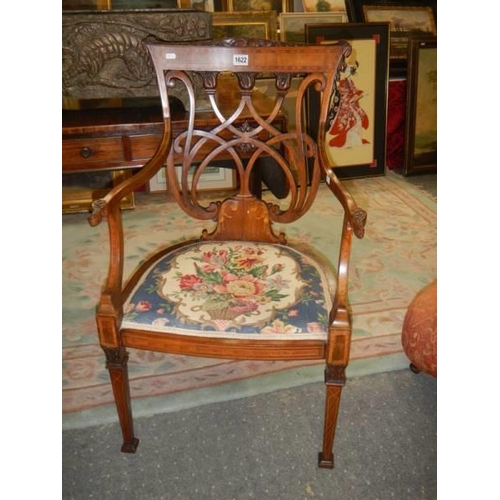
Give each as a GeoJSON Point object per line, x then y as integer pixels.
{"type": "Point", "coordinates": [247, 131]}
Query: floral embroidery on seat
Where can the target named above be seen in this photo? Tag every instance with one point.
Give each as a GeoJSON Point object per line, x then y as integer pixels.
{"type": "Point", "coordinates": [231, 287]}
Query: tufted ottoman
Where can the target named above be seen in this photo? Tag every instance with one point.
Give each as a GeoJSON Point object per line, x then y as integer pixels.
{"type": "Point", "coordinates": [419, 335]}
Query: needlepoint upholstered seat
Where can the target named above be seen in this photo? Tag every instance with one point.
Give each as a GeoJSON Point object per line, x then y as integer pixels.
{"type": "Point", "coordinates": [240, 290]}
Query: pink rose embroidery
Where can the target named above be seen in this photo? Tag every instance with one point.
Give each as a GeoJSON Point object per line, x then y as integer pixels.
{"type": "Point", "coordinates": [189, 282]}
{"type": "Point", "coordinates": [143, 306]}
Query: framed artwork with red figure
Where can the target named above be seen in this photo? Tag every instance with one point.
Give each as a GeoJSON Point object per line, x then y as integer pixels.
{"type": "Point", "coordinates": [356, 128]}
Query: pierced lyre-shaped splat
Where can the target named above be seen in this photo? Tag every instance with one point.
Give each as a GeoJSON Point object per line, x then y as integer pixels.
{"type": "Point", "coordinates": [252, 128]}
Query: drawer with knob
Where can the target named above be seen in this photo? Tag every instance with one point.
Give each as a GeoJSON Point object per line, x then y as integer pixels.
{"type": "Point", "coordinates": [90, 152]}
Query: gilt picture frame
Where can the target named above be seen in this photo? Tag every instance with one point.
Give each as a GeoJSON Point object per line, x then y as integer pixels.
{"type": "Point", "coordinates": [79, 190]}
{"type": "Point", "coordinates": [420, 152]}
{"type": "Point", "coordinates": [142, 4]}
{"type": "Point", "coordinates": [245, 24]}
{"type": "Point", "coordinates": [356, 132]}
{"type": "Point", "coordinates": [86, 4]}
{"type": "Point", "coordinates": [292, 24]}
{"type": "Point", "coordinates": [203, 5]}
{"type": "Point", "coordinates": [216, 177]}
{"type": "Point", "coordinates": [258, 5]}
{"type": "Point", "coordinates": [333, 6]}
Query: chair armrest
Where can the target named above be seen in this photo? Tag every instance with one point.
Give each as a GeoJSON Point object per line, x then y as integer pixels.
{"type": "Point", "coordinates": [356, 216]}
{"type": "Point", "coordinates": [354, 222]}
{"type": "Point", "coordinates": [109, 206]}
{"type": "Point", "coordinates": [113, 198]}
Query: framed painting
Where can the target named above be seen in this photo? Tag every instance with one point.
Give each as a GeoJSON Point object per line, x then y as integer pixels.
{"type": "Point", "coordinates": [421, 107]}
{"type": "Point", "coordinates": [86, 4]}
{"type": "Point", "coordinates": [356, 130]}
{"type": "Point", "coordinates": [203, 5]}
{"type": "Point", "coordinates": [213, 178]}
{"type": "Point", "coordinates": [79, 190]}
{"type": "Point", "coordinates": [245, 24]}
{"type": "Point", "coordinates": [142, 4]}
{"type": "Point", "coordinates": [336, 6]}
{"type": "Point", "coordinates": [292, 24]}
{"type": "Point", "coordinates": [406, 18]}
{"type": "Point", "coordinates": [258, 5]}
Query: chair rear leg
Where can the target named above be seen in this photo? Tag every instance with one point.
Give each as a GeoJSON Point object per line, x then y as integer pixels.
{"type": "Point", "coordinates": [332, 403]}
{"type": "Point", "coordinates": [118, 371]}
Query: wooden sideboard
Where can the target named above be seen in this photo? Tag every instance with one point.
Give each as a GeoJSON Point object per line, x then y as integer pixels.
{"type": "Point", "coordinates": [112, 141]}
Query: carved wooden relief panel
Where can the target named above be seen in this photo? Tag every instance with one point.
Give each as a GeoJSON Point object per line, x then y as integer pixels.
{"type": "Point", "coordinates": [103, 55]}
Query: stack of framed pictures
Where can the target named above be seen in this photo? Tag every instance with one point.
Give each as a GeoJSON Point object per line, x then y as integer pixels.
{"type": "Point", "coordinates": [391, 39]}
{"type": "Point", "coordinates": [407, 18]}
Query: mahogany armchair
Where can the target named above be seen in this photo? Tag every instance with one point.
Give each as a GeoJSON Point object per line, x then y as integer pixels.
{"type": "Point", "coordinates": [240, 290]}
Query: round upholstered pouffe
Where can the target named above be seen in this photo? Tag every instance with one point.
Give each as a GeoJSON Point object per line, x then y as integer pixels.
{"type": "Point", "coordinates": [419, 336]}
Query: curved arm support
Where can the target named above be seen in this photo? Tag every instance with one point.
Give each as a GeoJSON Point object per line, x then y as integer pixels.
{"type": "Point", "coordinates": [103, 206]}
{"type": "Point", "coordinates": [356, 216]}
{"type": "Point", "coordinates": [354, 222]}
{"type": "Point", "coordinates": [339, 337]}
{"type": "Point", "coordinates": [341, 293]}
{"type": "Point", "coordinates": [109, 206]}
{"type": "Point", "coordinates": [113, 286]}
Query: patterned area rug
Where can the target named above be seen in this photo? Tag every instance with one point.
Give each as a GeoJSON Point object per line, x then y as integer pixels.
{"type": "Point", "coordinates": [389, 266]}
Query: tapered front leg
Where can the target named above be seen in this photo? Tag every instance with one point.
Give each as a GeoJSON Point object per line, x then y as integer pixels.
{"type": "Point", "coordinates": [118, 371]}
{"type": "Point", "coordinates": [334, 381]}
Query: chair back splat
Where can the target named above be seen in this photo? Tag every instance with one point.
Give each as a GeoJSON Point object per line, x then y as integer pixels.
{"type": "Point", "coordinates": [240, 290]}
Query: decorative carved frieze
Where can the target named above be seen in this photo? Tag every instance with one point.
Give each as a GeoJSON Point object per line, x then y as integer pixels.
{"type": "Point", "coordinates": [103, 53]}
